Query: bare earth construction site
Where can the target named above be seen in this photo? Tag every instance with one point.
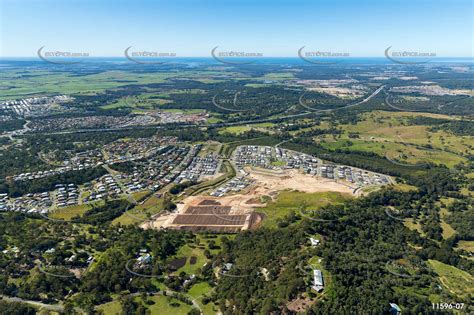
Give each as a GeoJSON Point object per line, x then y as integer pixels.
{"type": "Point", "coordinates": [263, 172]}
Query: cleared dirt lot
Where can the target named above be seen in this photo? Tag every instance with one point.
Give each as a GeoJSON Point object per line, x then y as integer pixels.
{"type": "Point", "coordinates": [237, 212]}
{"type": "Point", "coordinates": [292, 179]}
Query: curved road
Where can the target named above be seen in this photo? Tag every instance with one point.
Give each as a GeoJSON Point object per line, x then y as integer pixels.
{"type": "Point", "coordinates": [224, 108]}
{"type": "Point", "coordinates": [387, 101]}
{"type": "Point", "coordinates": [368, 98]}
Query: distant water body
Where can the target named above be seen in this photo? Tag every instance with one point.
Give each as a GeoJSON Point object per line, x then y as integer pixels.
{"type": "Point", "coordinates": [289, 61]}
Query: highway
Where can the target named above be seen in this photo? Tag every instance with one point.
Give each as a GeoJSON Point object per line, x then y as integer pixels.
{"type": "Point", "coordinates": [368, 98]}
{"type": "Point", "coordinates": [225, 124]}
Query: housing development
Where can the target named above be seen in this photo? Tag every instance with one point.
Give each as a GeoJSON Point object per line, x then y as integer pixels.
{"type": "Point", "coordinates": [236, 157]}
{"type": "Point", "coordinates": [150, 164]}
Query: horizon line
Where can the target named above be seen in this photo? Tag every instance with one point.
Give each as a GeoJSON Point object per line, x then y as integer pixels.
{"type": "Point", "coordinates": [252, 57]}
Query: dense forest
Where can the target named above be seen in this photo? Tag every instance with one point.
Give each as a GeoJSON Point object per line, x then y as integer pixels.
{"type": "Point", "coordinates": [355, 252]}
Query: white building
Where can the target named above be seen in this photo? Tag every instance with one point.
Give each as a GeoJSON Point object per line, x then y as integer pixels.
{"type": "Point", "coordinates": [318, 283]}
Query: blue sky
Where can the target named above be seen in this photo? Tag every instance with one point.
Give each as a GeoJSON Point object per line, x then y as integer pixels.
{"type": "Point", "coordinates": [273, 28]}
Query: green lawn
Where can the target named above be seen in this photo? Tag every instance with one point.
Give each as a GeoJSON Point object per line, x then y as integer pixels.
{"type": "Point", "coordinates": [448, 230]}
{"type": "Point", "coordinates": [277, 76]}
{"type": "Point", "coordinates": [288, 201]}
{"type": "Point", "coordinates": [210, 148]}
{"type": "Point", "coordinates": [68, 213]}
{"type": "Point", "coordinates": [162, 306]}
{"type": "Point", "coordinates": [145, 101]}
{"type": "Point", "coordinates": [110, 308]}
{"type": "Point", "coordinates": [243, 128]}
{"type": "Point", "coordinates": [397, 151]}
{"type": "Point", "coordinates": [138, 196]}
{"type": "Point", "coordinates": [278, 163]}
{"type": "Point", "coordinates": [391, 134]}
{"type": "Point", "coordinates": [197, 291]}
{"type": "Point", "coordinates": [235, 129]}
{"type": "Point", "coordinates": [466, 245]}
{"type": "Point", "coordinates": [184, 111]}
{"type": "Point", "coordinates": [141, 213]}
{"type": "Point", "coordinates": [314, 262]}
{"type": "Point", "coordinates": [457, 281]}
{"type": "Point", "coordinates": [217, 240]}
{"type": "Point", "coordinates": [412, 225]}
{"type": "Point", "coordinates": [69, 83]}
{"type": "Point", "coordinates": [188, 251]}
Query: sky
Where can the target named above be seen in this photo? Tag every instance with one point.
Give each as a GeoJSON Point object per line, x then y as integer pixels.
{"type": "Point", "coordinates": [191, 28]}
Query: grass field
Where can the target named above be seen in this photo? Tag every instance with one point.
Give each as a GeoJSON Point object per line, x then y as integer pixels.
{"type": "Point", "coordinates": [197, 291]}
{"type": "Point", "coordinates": [69, 83]}
{"type": "Point", "coordinates": [68, 213]}
{"type": "Point", "coordinates": [397, 150]}
{"type": "Point", "coordinates": [141, 212]}
{"type": "Point", "coordinates": [390, 134]}
{"type": "Point", "coordinates": [217, 240]}
{"type": "Point", "coordinates": [41, 82]}
{"type": "Point", "coordinates": [412, 225]}
{"type": "Point", "coordinates": [457, 281]}
{"type": "Point", "coordinates": [110, 308]}
{"type": "Point", "coordinates": [184, 111]}
{"type": "Point", "coordinates": [188, 251]}
{"type": "Point", "coordinates": [146, 101]}
{"type": "Point", "coordinates": [214, 120]}
{"type": "Point", "coordinates": [265, 125]}
{"type": "Point", "coordinates": [288, 201]}
{"type": "Point", "coordinates": [210, 148]}
{"type": "Point", "coordinates": [243, 128]}
{"type": "Point", "coordinates": [237, 130]}
{"type": "Point", "coordinates": [162, 305]}
{"type": "Point", "coordinates": [466, 245]}
{"type": "Point", "coordinates": [404, 187]}
{"type": "Point", "coordinates": [277, 76]}
{"type": "Point", "coordinates": [121, 103]}
{"type": "Point", "coordinates": [139, 195]}
{"type": "Point", "coordinates": [278, 163]}
{"type": "Point", "coordinates": [448, 231]}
